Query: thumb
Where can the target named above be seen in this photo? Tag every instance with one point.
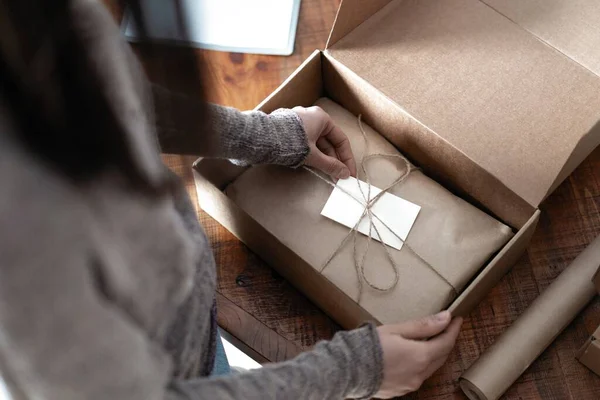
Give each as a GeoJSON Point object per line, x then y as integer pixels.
{"type": "Point", "coordinates": [330, 165]}
{"type": "Point", "coordinates": [424, 328]}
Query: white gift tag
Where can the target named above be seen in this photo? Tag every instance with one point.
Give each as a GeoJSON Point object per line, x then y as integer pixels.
{"type": "Point", "coordinates": [397, 213]}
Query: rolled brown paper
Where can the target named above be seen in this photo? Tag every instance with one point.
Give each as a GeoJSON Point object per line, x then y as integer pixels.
{"type": "Point", "coordinates": [512, 353]}
{"type": "Point", "coordinates": [597, 280]}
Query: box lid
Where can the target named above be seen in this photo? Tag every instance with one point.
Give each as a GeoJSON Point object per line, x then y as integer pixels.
{"type": "Point", "coordinates": [525, 108]}
{"type": "Point", "coordinates": [569, 26]}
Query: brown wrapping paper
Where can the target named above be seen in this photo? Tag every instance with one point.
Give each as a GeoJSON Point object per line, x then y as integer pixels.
{"type": "Point", "coordinates": [512, 353]}
{"type": "Point", "coordinates": [449, 233]}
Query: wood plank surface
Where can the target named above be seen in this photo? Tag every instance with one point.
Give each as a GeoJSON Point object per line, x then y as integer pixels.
{"type": "Point", "coordinates": [268, 315]}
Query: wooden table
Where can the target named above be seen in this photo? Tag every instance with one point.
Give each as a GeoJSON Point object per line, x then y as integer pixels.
{"type": "Point", "coordinates": [274, 322]}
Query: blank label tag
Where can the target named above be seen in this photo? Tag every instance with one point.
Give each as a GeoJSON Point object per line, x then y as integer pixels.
{"type": "Point", "coordinates": [397, 213]}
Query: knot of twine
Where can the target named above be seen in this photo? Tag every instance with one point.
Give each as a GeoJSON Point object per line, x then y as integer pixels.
{"type": "Point", "coordinates": [368, 203]}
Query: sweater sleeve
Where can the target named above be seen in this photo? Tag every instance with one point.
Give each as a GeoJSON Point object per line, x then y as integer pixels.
{"type": "Point", "coordinates": [85, 348]}
{"type": "Point", "coordinates": [61, 339]}
{"type": "Point", "coordinates": [349, 366]}
{"type": "Point", "coordinates": [188, 126]}
{"type": "Point", "coordinates": [64, 336]}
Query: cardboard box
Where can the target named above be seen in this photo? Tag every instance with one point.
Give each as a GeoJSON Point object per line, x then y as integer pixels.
{"type": "Point", "coordinates": [589, 354]}
{"type": "Point", "coordinates": [498, 114]}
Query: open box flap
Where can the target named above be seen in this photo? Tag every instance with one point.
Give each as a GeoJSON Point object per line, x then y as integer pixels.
{"type": "Point", "coordinates": [352, 13]}
{"type": "Point", "coordinates": [524, 111]}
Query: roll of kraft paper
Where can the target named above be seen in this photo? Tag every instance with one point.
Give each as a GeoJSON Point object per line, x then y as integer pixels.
{"type": "Point", "coordinates": [512, 353]}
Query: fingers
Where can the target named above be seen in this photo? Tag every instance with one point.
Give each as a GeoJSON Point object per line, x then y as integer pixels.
{"type": "Point", "coordinates": [441, 349]}
{"type": "Point", "coordinates": [326, 147]}
{"type": "Point", "coordinates": [423, 328]}
{"type": "Point", "coordinates": [330, 149]}
{"type": "Point", "coordinates": [408, 361]}
{"type": "Point", "coordinates": [444, 343]}
{"type": "Point", "coordinates": [328, 164]}
{"type": "Point", "coordinates": [341, 145]}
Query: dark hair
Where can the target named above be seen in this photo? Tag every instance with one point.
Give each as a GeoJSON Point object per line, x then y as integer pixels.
{"type": "Point", "coordinates": [52, 92]}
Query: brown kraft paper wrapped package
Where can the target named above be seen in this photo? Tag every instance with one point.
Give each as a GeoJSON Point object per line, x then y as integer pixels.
{"type": "Point", "coordinates": [453, 236]}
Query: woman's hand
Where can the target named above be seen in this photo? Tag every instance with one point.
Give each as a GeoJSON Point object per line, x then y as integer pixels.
{"type": "Point", "coordinates": [330, 149]}
{"type": "Point", "coordinates": [409, 358]}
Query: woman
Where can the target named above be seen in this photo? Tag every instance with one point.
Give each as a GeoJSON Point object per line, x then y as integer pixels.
{"type": "Point", "coordinates": [107, 280]}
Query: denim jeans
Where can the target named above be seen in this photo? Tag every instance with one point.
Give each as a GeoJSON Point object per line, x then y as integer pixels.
{"type": "Point", "coordinates": [221, 366]}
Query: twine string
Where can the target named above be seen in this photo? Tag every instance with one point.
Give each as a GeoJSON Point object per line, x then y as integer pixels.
{"type": "Point", "coordinates": [368, 203]}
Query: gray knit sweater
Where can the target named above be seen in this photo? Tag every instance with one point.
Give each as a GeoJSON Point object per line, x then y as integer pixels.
{"type": "Point", "coordinates": [105, 294]}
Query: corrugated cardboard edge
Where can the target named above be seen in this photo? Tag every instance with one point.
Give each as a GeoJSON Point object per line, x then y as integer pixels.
{"type": "Point", "coordinates": [287, 263]}
{"type": "Point", "coordinates": [495, 270]}
{"type": "Point", "coordinates": [589, 354]}
{"type": "Point", "coordinates": [351, 14]}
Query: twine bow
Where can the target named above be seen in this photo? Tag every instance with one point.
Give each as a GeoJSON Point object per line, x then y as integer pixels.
{"type": "Point", "coordinates": [368, 203]}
